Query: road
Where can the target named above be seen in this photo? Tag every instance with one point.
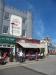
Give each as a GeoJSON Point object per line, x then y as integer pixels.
{"type": "Point", "coordinates": [19, 70]}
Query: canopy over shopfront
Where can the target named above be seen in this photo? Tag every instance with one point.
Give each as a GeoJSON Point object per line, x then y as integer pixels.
{"type": "Point", "coordinates": [28, 45]}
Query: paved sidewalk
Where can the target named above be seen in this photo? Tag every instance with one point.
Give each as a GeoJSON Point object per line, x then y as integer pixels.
{"type": "Point", "coordinates": [14, 64]}
{"type": "Point", "coordinates": [10, 64]}
{"type": "Point", "coordinates": [47, 65]}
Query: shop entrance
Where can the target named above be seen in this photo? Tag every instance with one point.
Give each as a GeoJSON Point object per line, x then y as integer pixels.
{"type": "Point", "coordinates": [5, 50]}
{"type": "Point", "coordinates": [31, 53]}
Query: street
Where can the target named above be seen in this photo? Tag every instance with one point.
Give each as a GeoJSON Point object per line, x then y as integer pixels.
{"type": "Point", "coordinates": [19, 70]}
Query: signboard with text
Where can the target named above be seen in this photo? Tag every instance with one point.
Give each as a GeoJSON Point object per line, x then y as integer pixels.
{"type": "Point", "coordinates": [7, 39]}
{"type": "Point", "coordinates": [16, 25]}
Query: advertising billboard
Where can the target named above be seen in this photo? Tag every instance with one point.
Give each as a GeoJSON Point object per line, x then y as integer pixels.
{"type": "Point", "coordinates": [16, 25]}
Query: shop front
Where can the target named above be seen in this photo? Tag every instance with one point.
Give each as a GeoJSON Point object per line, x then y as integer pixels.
{"type": "Point", "coordinates": [7, 45]}
{"type": "Point", "coordinates": [30, 50]}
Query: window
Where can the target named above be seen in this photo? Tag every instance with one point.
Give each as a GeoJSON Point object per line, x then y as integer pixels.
{"type": "Point", "coordinates": [23, 32]}
{"type": "Point", "coordinates": [24, 20]}
{"type": "Point", "coordinates": [5, 29]}
{"type": "Point", "coordinates": [8, 45]}
{"type": "Point", "coordinates": [4, 45]}
{"type": "Point", "coordinates": [0, 45]}
{"type": "Point", "coordinates": [12, 45]}
{"type": "Point", "coordinates": [6, 15]}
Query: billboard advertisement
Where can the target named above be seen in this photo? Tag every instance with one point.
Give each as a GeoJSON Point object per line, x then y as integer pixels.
{"type": "Point", "coordinates": [16, 25]}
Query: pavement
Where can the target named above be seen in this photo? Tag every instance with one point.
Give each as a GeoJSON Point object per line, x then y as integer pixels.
{"type": "Point", "coordinates": [19, 70]}
{"type": "Point", "coordinates": [46, 65]}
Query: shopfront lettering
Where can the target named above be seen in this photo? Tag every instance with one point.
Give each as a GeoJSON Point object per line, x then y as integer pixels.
{"type": "Point", "coordinates": [5, 39]}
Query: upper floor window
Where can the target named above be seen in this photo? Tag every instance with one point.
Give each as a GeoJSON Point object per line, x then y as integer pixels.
{"type": "Point", "coordinates": [23, 32]}
{"type": "Point", "coordinates": [6, 15]}
{"type": "Point", "coordinates": [5, 29]}
{"type": "Point", "coordinates": [24, 20]}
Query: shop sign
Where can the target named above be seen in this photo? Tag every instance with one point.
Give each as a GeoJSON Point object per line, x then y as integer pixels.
{"type": "Point", "coordinates": [6, 39]}
{"type": "Point", "coordinates": [16, 25]}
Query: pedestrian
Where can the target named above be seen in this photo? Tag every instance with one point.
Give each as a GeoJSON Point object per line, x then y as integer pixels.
{"type": "Point", "coordinates": [21, 57]}
{"type": "Point", "coordinates": [37, 56]}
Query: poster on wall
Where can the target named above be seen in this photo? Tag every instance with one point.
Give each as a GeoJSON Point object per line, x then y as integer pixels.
{"type": "Point", "coordinates": [16, 25]}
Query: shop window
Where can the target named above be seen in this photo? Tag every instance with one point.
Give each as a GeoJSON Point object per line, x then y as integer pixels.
{"type": "Point", "coordinates": [12, 45]}
{"type": "Point", "coordinates": [4, 45]}
{"type": "Point", "coordinates": [0, 45]}
{"type": "Point", "coordinates": [8, 45]}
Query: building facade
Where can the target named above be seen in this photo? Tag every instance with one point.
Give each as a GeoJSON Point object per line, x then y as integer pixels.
{"type": "Point", "coordinates": [17, 23]}
{"type": "Point", "coordinates": [1, 14]}
{"type": "Point", "coordinates": [13, 24]}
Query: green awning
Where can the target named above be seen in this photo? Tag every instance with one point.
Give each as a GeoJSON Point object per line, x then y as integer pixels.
{"type": "Point", "coordinates": [7, 39]}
